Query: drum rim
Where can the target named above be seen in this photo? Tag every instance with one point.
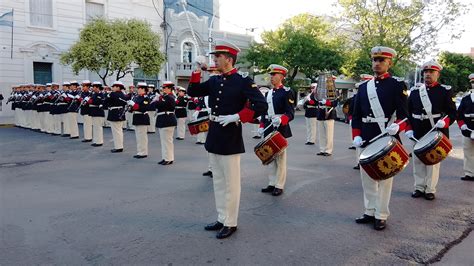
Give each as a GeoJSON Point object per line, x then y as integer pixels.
{"type": "Point", "coordinates": [266, 138]}
{"type": "Point", "coordinates": [393, 141]}
{"type": "Point", "coordinates": [198, 121]}
{"type": "Point", "coordinates": [439, 136]}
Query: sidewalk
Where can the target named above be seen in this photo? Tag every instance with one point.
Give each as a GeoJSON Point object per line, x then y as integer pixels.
{"type": "Point", "coordinates": [6, 120]}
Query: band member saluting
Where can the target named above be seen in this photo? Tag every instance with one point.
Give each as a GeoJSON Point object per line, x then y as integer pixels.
{"type": "Point", "coordinates": [375, 104]}
{"type": "Point", "coordinates": [166, 122]}
{"type": "Point", "coordinates": [466, 124]}
{"type": "Point", "coordinates": [427, 105]}
{"type": "Point", "coordinates": [115, 102]}
{"type": "Point", "coordinates": [279, 113]}
{"type": "Point", "coordinates": [233, 99]}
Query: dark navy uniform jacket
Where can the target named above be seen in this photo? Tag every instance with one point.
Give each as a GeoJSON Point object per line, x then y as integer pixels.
{"type": "Point", "coordinates": [85, 106]}
{"type": "Point", "coordinates": [115, 102]}
{"type": "Point", "coordinates": [282, 99]}
{"type": "Point", "coordinates": [181, 103]}
{"type": "Point", "coordinates": [441, 98]}
{"type": "Point", "coordinates": [165, 111]}
{"type": "Point", "coordinates": [63, 102]}
{"type": "Point", "coordinates": [73, 102]}
{"type": "Point", "coordinates": [229, 93]}
{"type": "Point", "coordinates": [310, 107]}
{"type": "Point", "coordinates": [465, 114]}
{"type": "Point", "coordinates": [96, 103]}
{"type": "Point", "coordinates": [140, 110]}
{"type": "Point", "coordinates": [392, 94]}
{"type": "Point", "coordinates": [326, 107]}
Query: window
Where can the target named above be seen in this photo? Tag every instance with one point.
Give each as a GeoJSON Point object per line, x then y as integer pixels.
{"type": "Point", "coordinates": [41, 13]}
{"type": "Point", "coordinates": [42, 72]}
{"type": "Point", "coordinates": [187, 51]}
{"type": "Point", "coordinates": [139, 76]}
{"type": "Point", "coordinates": [94, 11]}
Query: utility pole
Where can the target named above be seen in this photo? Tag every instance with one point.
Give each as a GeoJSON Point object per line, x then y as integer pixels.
{"type": "Point", "coordinates": [164, 25]}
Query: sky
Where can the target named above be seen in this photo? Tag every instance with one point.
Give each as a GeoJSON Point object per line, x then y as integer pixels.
{"type": "Point", "coordinates": [237, 16]}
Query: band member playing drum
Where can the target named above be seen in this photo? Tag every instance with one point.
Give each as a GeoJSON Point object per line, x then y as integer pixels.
{"type": "Point", "coordinates": [429, 105]}
{"type": "Point", "coordinates": [234, 99]}
{"type": "Point", "coordinates": [466, 124]}
{"type": "Point", "coordinates": [376, 102]}
{"type": "Point", "coordinates": [279, 113]}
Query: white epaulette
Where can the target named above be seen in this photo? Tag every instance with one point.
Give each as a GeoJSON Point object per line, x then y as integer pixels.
{"type": "Point", "coordinates": [416, 87]}
{"type": "Point", "coordinates": [447, 87]}
{"type": "Point", "coordinates": [399, 79]}
{"type": "Point", "coordinates": [287, 88]}
{"type": "Point", "coordinates": [243, 74]}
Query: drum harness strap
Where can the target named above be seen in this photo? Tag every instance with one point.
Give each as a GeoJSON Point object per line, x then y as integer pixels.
{"type": "Point", "coordinates": [379, 115]}
{"type": "Point", "coordinates": [425, 101]}
{"type": "Point", "coordinates": [271, 110]}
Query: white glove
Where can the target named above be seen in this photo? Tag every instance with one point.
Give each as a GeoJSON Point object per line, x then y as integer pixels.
{"type": "Point", "coordinates": [323, 101]}
{"type": "Point", "coordinates": [195, 115]}
{"type": "Point", "coordinates": [357, 142]}
{"type": "Point", "coordinates": [33, 97]}
{"type": "Point", "coordinates": [440, 123]}
{"type": "Point", "coordinates": [77, 96]}
{"type": "Point", "coordinates": [87, 98]}
{"type": "Point", "coordinates": [393, 129]}
{"type": "Point", "coordinates": [63, 95]}
{"type": "Point", "coordinates": [224, 120]}
{"type": "Point", "coordinates": [409, 134]}
{"type": "Point", "coordinates": [464, 127]}
{"type": "Point", "coordinates": [350, 122]}
{"type": "Point", "coordinates": [276, 121]}
{"type": "Point", "coordinates": [70, 95]}
{"type": "Point", "coordinates": [260, 131]}
{"type": "Point", "coordinates": [472, 135]}
{"type": "Point", "coordinates": [130, 102]}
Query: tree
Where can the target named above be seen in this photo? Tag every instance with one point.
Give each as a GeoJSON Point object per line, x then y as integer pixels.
{"type": "Point", "coordinates": [456, 69]}
{"type": "Point", "coordinates": [111, 47]}
{"type": "Point", "coordinates": [302, 44]}
{"type": "Point", "coordinates": [410, 27]}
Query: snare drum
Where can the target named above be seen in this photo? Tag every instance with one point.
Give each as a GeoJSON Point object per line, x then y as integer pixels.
{"type": "Point", "coordinates": [433, 148]}
{"type": "Point", "coordinates": [270, 147]}
{"type": "Point", "coordinates": [384, 158]}
{"type": "Point", "coordinates": [198, 126]}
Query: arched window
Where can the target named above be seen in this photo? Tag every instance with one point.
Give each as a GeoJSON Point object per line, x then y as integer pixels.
{"type": "Point", "coordinates": [187, 52]}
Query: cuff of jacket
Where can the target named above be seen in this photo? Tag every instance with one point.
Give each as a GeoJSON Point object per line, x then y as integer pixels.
{"type": "Point", "coordinates": [355, 132]}
{"type": "Point", "coordinates": [284, 120]}
{"type": "Point", "coordinates": [195, 77]}
{"type": "Point", "coordinates": [402, 126]}
{"type": "Point", "coordinates": [246, 115]}
{"type": "Point", "coordinates": [460, 123]}
{"type": "Point", "coordinates": [447, 122]}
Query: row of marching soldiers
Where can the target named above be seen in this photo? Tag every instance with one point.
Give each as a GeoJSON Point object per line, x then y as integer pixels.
{"type": "Point", "coordinates": [54, 110]}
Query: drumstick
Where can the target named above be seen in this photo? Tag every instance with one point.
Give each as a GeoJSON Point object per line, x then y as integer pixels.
{"type": "Point", "coordinates": [384, 133]}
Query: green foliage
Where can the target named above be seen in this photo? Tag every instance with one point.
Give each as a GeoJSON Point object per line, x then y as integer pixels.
{"type": "Point", "coordinates": [456, 69]}
{"type": "Point", "coordinates": [110, 47]}
{"type": "Point", "coordinates": [303, 44]}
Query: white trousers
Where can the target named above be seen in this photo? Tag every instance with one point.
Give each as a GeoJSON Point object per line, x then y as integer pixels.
{"type": "Point", "coordinates": [35, 122]}
{"type": "Point", "coordinates": [49, 122]}
{"type": "Point", "coordinates": [226, 179]}
{"type": "Point", "coordinates": [255, 128]}
{"type": "Point", "coordinates": [42, 120]}
{"type": "Point", "coordinates": [72, 123]}
{"type": "Point", "coordinates": [87, 127]}
{"type": "Point", "coordinates": [166, 140]}
{"type": "Point", "coordinates": [326, 135]}
{"type": "Point", "coordinates": [129, 119]}
{"type": "Point", "coordinates": [56, 119]}
{"type": "Point", "coordinates": [98, 130]}
{"type": "Point", "coordinates": [201, 137]}
{"type": "Point", "coordinates": [151, 127]}
{"type": "Point", "coordinates": [426, 176]}
{"type": "Point", "coordinates": [65, 121]}
{"type": "Point", "coordinates": [181, 128]}
{"type": "Point", "coordinates": [106, 122]}
{"type": "Point", "coordinates": [15, 117]}
{"type": "Point", "coordinates": [311, 129]}
{"type": "Point", "coordinates": [277, 176]}
{"type": "Point", "coordinates": [468, 147]}
{"type": "Point", "coordinates": [376, 195]}
{"type": "Point", "coordinates": [117, 133]}
{"type": "Point", "coordinates": [142, 140]}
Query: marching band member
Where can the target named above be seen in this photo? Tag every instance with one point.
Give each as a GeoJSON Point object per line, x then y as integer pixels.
{"type": "Point", "coordinates": [72, 98]}
{"type": "Point", "coordinates": [115, 102]}
{"type": "Point", "coordinates": [47, 105]}
{"type": "Point", "coordinates": [326, 114]}
{"type": "Point", "coordinates": [35, 125]}
{"type": "Point", "coordinates": [202, 111]}
{"type": "Point", "coordinates": [427, 104]}
{"type": "Point", "coordinates": [388, 96]}
{"type": "Point", "coordinates": [96, 111]}
{"type": "Point", "coordinates": [152, 112]}
{"type": "Point", "coordinates": [140, 106]}
{"type": "Point", "coordinates": [234, 99]}
{"type": "Point", "coordinates": [62, 109]}
{"type": "Point", "coordinates": [310, 106]}
{"type": "Point", "coordinates": [128, 115]}
{"type": "Point", "coordinates": [181, 114]}
{"type": "Point", "coordinates": [166, 122]}
{"type": "Point", "coordinates": [279, 113]}
{"type": "Point", "coordinates": [40, 108]}
{"type": "Point", "coordinates": [86, 118]}
{"type": "Point", "coordinates": [256, 124]}
{"type": "Point", "coordinates": [466, 124]}
{"type": "Point", "coordinates": [56, 116]}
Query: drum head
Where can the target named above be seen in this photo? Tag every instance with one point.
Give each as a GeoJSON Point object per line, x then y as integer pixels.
{"type": "Point", "coordinates": [376, 148]}
{"type": "Point", "coordinates": [428, 140]}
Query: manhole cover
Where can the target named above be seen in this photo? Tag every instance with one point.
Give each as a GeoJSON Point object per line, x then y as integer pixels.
{"type": "Point", "coordinates": [18, 164]}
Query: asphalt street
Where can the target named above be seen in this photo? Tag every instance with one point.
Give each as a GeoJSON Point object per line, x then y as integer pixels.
{"type": "Point", "coordinates": [65, 202]}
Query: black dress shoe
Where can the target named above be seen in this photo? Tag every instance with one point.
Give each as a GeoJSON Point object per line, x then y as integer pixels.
{"type": "Point", "coordinates": [327, 154]}
{"type": "Point", "coordinates": [417, 194]}
{"type": "Point", "coordinates": [150, 132]}
{"type": "Point", "coordinates": [208, 173]}
{"type": "Point", "coordinates": [178, 138]}
{"type": "Point", "coordinates": [200, 143]}
{"type": "Point", "coordinates": [86, 140]}
{"type": "Point", "coordinates": [467, 178]}
{"type": "Point", "coordinates": [214, 226]}
{"type": "Point", "coordinates": [277, 192]}
{"type": "Point", "coordinates": [357, 167]}
{"type": "Point", "coordinates": [352, 148]}
{"type": "Point", "coordinates": [56, 134]}
{"type": "Point", "coordinates": [140, 156]}
{"type": "Point", "coordinates": [256, 137]}
{"type": "Point", "coordinates": [430, 196]}
{"type": "Point", "coordinates": [365, 219]}
{"type": "Point", "coordinates": [65, 135]}
{"type": "Point", "coordinates": [226, 231]}
{"type": "Point", "coordinates": [268, 189]}
{"type": "Point", "coordinates": [161, 162]}
{"type": "Point", "coordinates": [309, 143]}
{"type": "Point", "coordinates": [76, 137]}
{"type": "Point", "coordinates": [320, 153]}
{"type": "Point", "coordinates": [380, 224]}
{"type": "Point", "coordinates": [167, 163]}
{"type": "Point", "coordinates": [96, 145]}
{"type": "Point", "coordinates": [116, 150]}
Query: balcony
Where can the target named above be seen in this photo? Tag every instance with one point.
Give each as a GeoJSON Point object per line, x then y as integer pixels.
{"type": "Point", "coordinates": [184, 69]}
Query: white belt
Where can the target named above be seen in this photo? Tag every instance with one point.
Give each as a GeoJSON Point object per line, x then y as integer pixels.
{"type": "Point", "coordinates": [213, 118]}
{"type": "Point", "coordinates": [115, 107]}
{"type": "Point", "coordinates": [374, 120]}
{"type": "Point", "coordinates": [164, 113]}
{"type": "Point", "coordinates": [425, 117]}
{"type": "Point", "coordinates": [180, 107]}
{"type": "Point", "coordinates": [92, 105]}
{"type": "Point", "coordinates": [310, 106]}
{"type": "Point", "coordinates": [62, 103]}
{"type": "Point", "coordinates": [469, 115]}
{"type": "Point", "coordinates": [140, 113]}
{"type": "Point", "coordinates": [271, 116]}
{"type": "Point", "coordinates": [38, 104]}
{"type": "Point", "coordinates": [47, 103]}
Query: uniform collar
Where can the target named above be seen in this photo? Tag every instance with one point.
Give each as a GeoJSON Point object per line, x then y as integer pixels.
{"type": "Point", "coordinates": [279, 87]}
{"type": "Point", "coordinates": [233, 71]}
{"type": "Point", "coordinates": [434, 84]}
{"type": "Point", "coordinates": [383, 76]}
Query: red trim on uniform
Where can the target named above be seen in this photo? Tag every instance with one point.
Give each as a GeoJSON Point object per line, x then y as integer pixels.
{"type": "Point", "coordinates": [402, 126]}
{"type": "Point", "coordinates": [460, 123]}
{"type": "Point", "coordinates": [89, 101]}
{"type": "Point", "coordinates": [432, 84]}
{"type": "Point", "coordinates": [233, 71]}
{"type": "Point", "coordinates": [355, 132]}
{"type": "Point", "coordinates": [311, 102]}
{"type": "Point", "coordinates": [262, 125]}
{"type": "Point", "coordinates": [408, 127]}
{"type": "Point", "coordinates": [383, 54]}
{"type": "Point", "coordinates": [328, 103]}
{"type": "Point", "coordinates": [246, 115]}
{"type": "Point", "coordinates": [135, 106]}
{"type": "Point", "coordinates": [350, 117]}
{"type": "Point", "coordinates": [284, 120]}
{"type": "Point", "coordinates": [446, 121]}
{"type": "Point", "coordinates": [433, 67]}
{"type": "Point", "coordinates": [384, 76]}
{"type": "Point", "coordinates": [198, 108]}
{"type": "Point", "coordinates": [227, 49]}
{"type": "Point", "coordinates": [195, 77]}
